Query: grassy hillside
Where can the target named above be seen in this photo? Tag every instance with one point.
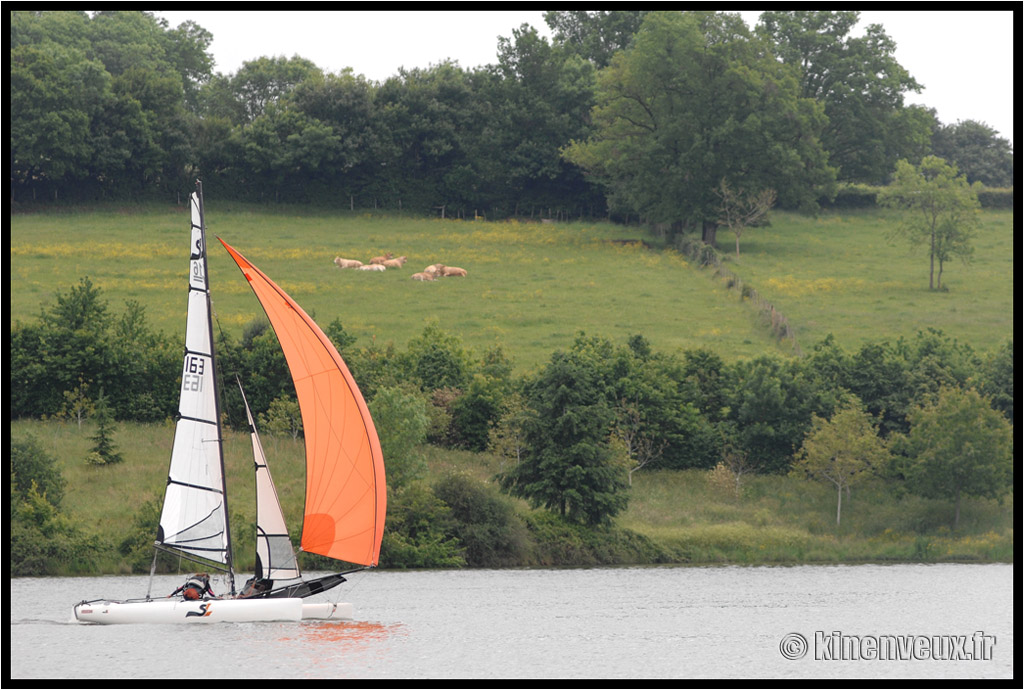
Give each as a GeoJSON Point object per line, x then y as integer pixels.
{"type": "Point", "coordinates": [689, 516]}
{"type": "Point", "coordinates": [530, 287]}
{"type": "Point", "coordinates": [840, 273]}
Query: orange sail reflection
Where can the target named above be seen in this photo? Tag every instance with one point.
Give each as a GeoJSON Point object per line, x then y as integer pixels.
{"type": "Point", "coordinates": [350, 631]}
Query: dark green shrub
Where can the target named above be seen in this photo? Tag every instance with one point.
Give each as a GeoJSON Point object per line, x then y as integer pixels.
{"type": "Point", "coordinates": [853, 196]}
{"type": "Point", "coordinates": [995, 197]}
{"type": "Point", "coordinates": [417, 536]}
{"type": "Point", "coordinates": [475, 412]}
{"type": "Point", "coordinates": [559, 542]}
{"type": "Point", "coordinates": [44, 541]}
{"type": "Point", "coordinates": [484, 522]}
{"type": "Point", "coordinates": [32, 469]}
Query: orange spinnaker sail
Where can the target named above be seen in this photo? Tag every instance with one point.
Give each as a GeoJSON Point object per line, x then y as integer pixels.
{"type": "Point", "coordinates": [346, 497]}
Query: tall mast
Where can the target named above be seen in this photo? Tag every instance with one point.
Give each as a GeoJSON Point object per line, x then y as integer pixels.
{"type": "Point", "coordinates": [216, 389]}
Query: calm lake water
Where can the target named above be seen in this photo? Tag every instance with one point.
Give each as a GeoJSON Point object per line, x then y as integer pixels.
{"type": "Point", "coordinates": [628, 623]}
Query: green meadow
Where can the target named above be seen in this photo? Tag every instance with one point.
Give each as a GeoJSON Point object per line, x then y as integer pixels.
{"type": "Point", "coordinates": [530, 286]}
{"type": "Point", "coordinates": [841, 273]}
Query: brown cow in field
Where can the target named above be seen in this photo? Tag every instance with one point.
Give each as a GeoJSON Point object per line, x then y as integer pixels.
{"type": "Point", "coordinates": [452, 271]}
{"type": "Point", "coordinates": [424, 277]}
{"type": "Point", "coordinates": [395, 263]}
{"type": "Point", "coordinates": [382, 259]}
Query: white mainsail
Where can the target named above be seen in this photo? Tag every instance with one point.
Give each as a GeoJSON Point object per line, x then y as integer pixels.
{"type": "Point", "coordinates": [275, 557]}
{"type": "Point", "coordinates": [194, 518]}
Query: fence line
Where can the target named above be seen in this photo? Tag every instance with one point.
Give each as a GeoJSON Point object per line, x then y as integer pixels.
{"type": "Point", "coordinates": [706, 256]}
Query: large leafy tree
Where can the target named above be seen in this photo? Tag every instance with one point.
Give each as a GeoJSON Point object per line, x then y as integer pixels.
{"type": "Point", "coordinates": [99, 102]}
{"type": "Point", "coordinates": [595, 36]}
{"type": "Point", "coordinates": [143, 136]}
{"type": "Point", "coordinates": [861, 86]}
{"type": "Point", "coordinates": [283, 149]}
{"type": "Point", "coordinates": [977, 152]}
{"type": "Point", "coordinates": [347, 104]}
{"type": "Point", "coordinates": [140, 386]}
{"type": "Point", "coordinates": [436, 359]}
{"type": "Point", "coordinates": [770, 410]}
{"type": "Point", "coordinates": [940, 211]}
{"type": "Point", "coordinates": [265, 81]}
{"type": "Point", "coordinates": [540, 100]}
{"type": "Point", "coordinates": [78, 346]}
{"type": "Point", "coordinates": [431, 116]}
{"type": "Point", "coordinates": [401, 416]}
{"type": "Point", "coordinates": [996, 378]}
{"type": "Point", "coordinates": [68, 346]}
{"type": "Point", "coordinates": [656, 410]}
{"type": "Point", "coordinates": [55, 93]}
{"type": "Point", "coordinates": [257, 359]}
{"type": "Point", "coordinates": [694, 100]}
{"type": "Point", "coordinates": [187, 48]}
{"type": "Point", "coordinates": [958, 446]}
{"type": "Point", "coordinates": [568, 466]}
{"type": "Point", "coordinates": [129, 40]}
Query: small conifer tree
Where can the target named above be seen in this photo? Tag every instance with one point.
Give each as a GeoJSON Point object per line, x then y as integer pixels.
{"type": "Point", "coordinates": [104, 452]}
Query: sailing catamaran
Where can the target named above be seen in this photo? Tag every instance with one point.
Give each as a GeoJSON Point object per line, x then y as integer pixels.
{"type": "Point", "coordinates": [346, 496]}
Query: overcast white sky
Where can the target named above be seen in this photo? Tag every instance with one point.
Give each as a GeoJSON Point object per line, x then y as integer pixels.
{"type": "Point", "coordinates": [964, 60]}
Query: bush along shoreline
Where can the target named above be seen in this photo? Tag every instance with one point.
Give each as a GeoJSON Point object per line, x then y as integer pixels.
{"type": "Point", "coordinates": [459, 518]}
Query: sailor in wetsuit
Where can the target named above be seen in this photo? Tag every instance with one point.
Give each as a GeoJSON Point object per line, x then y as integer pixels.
{"type": "Point", "coordinates": [196, 587]}
{"type": "Point", "coordinates": [254, 587]}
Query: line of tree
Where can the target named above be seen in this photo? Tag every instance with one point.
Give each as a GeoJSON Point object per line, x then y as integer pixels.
{"type": "Point", "coordinates": [571, 434]}
{"type": "Point", "coordinates": [632, 113]}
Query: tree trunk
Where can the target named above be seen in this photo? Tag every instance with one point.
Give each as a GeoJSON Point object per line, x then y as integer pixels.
{"type": "Point", "coordinates": [931, 266]}
{"type": "Point", "coordinates": [839, 503]}
{"type": "Point", "coordinates": [708, 232]}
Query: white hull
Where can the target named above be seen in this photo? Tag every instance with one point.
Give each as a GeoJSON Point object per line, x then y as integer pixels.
{"type": "Point", "coordinates": [180, 611]}
{"type": "Point", "coordinates": [327, 611]}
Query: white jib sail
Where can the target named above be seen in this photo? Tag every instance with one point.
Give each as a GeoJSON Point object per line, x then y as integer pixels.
{"type": "Point", "coordinates": [194, 517]}
{"type": "Point", "coordinates": [275, 557]}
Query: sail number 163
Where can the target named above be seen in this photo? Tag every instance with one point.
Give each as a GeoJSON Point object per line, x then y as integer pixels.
{"type": "Point", "coordinates": [192, 377]}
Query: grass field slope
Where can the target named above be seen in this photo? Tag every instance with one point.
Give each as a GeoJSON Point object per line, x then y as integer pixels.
{"type": "Point", "coordinates": [530, 286]}
{"type": "Point", "coordinates": [840, 273]}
